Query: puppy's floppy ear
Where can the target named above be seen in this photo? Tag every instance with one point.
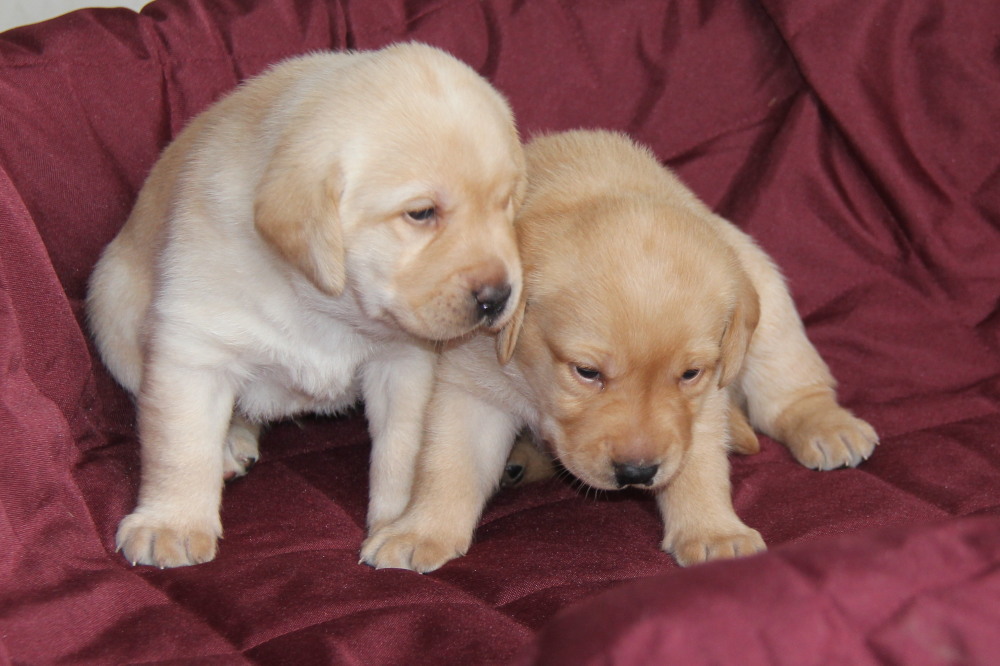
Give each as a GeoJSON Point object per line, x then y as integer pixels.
{"type": "Point", "coordinates": [296, 212]}
{"type": "Point", "coordinates": [507, 337]}
{"type": "Point", "coordinates": [520, 187]}
{"type": "Point", "coordinates": [739, 330]}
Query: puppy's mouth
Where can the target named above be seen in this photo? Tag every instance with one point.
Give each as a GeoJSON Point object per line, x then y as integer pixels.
{"type": "Point", "coordinates": [609, 474]}
{"type": "Point", "coordinates": [470, 317]}
{"type": "Point", "coordinates": [612, 475]}
{"type": "Point", "coordinates": [453, 315]}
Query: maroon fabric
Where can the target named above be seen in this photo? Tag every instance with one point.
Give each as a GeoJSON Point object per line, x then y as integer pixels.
{"type": "Point", "coordinates": [829, 601]}
{"type": "Point", "coordinates": [859, 142]}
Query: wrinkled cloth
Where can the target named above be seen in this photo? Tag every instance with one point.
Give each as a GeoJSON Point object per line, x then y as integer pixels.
{"type": "Point", "coordinates": [859, 143]}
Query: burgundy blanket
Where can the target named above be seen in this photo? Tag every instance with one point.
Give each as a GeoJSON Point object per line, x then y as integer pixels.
{"type": "Point", "coordinates": [859, 142]}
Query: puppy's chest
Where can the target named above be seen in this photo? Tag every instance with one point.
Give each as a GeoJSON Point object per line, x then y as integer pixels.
{"type": "Point", "coordinates": [290, 371]}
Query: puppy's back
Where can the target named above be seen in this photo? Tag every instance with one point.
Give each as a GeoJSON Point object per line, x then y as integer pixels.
{"type": "Point", "coordinates": [122, 284]}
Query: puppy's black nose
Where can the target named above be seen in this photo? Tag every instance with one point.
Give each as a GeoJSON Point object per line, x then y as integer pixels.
{"type": "Point", "coordinates": [491, 300]}
{"type": "Point", "coordinates": [627, 474]}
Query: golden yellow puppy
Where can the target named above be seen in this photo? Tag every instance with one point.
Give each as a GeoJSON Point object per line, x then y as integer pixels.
{"type": "Point", "coordinates": [296, 248]}
{"type": "Point", "coordinates": [645, 318]}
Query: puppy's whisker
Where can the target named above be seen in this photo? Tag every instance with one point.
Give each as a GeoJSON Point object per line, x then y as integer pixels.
{"type": "Point", "coordinates": [579, 486]}
{"type": "Point", "coordinates": [562, 473]}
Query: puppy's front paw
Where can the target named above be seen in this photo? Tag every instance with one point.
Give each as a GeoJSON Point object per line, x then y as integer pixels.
{"type": "Point", "coordinates": [146, 540]}
{"type": "Point", "coordinates": [694, 548]}
{"type": "Point", "coordinates": [399, 547]}
{"type": "Point", "coordinates": [828, 437]}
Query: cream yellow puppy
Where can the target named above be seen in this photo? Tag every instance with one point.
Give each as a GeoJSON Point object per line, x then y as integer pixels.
{"type": "Point", "coordinates": [298, 246]}
{"type": "Point", "coordinates": [645, 320]}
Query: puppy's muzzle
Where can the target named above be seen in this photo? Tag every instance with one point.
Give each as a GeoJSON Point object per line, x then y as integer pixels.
{"type": "Point", "coordinates": [491, 301]}
{"type": "Point", "coordinates": [632, 474]}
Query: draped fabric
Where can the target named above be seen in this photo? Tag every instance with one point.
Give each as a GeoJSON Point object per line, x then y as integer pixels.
{"type": "Point", "coordinates": [858, 142]}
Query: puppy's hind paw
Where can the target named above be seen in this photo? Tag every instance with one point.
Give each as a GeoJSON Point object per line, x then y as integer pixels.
{"type": "Point", "coordinates": [526, 464]}
{"type": "Point", "coordinates": [145, 540]}
{"type": "Point", "coordinates": [242, 450]}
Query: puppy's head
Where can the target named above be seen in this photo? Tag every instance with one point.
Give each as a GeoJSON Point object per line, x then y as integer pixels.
{"type": "Point", "coordinates": [637, 316]}
{"type": "Point", "coordinates": [398, 187]}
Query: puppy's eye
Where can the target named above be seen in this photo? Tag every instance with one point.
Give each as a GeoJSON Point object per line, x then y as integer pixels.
{"type": "Point", "coordinates": [690, 374]}
{"type": "Point", "coordinates": [423, 215]}
{"type": "Point", "coordinates": [587, 374]}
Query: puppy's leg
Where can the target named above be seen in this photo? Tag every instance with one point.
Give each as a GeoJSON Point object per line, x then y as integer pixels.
{"type": "Point", "coordinates": [242, 450]}
{"type": "Point", "coordinates": [464, 451]}
{"type": "Point", "coordinates": [183, 417]}
{"type": "Point", "coordinates": [789, 390]}
{"type": "Point", "coordinates": [791, 398]}
{"type": "Point", "coordinates": [697, 505]}
{"type": "Point", "coordinates": [820, 433]}
{"type": "Point", "coordinates": [742, 438]}
{"type": "Point", "coordinates": [396, 389]}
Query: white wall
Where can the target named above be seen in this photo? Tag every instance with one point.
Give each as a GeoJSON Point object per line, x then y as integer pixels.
{"type": "Point", "coordinates": [21, 12]}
